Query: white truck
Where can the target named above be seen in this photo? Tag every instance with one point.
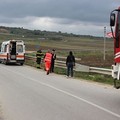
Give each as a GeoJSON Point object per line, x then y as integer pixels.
{"type": "Point", "coordinates": [12, 51]}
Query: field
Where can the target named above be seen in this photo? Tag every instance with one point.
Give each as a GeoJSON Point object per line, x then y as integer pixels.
{"type": "Point", "coordinates": [87, 48]}
{"type": "Point", "coordinates": [90, 51]}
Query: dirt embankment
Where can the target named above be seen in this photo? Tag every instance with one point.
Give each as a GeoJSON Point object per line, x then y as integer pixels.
{"type": "Point", "coordinates": [97, 61]}
{"type": "Point", "coordinates": [90, 60]}
{"type": "Point", "coordinates": [94, 61]}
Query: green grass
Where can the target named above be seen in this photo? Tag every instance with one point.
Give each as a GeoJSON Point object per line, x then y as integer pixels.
{"type": "Point", "coordinates": [106, 79]}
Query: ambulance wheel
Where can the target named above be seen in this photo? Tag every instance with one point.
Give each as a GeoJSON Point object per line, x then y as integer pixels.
{"type": "Point", "coordinates": [5, 62]}
{"type": "Point", "coordinates": [21, 63]}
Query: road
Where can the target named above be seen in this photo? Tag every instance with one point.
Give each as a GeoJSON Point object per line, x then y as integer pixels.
{"type": "Point", "coordinates": [27, 93]}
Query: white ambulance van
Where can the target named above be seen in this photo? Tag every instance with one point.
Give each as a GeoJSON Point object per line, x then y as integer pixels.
{"type": "Point", "coordinates": [12, 51]}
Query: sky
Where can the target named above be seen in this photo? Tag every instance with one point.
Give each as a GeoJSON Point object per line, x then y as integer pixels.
{"type": "Point", "coordinates": [81, 17]}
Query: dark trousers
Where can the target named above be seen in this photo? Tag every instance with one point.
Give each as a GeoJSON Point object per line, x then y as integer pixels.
{"type": "Point", "coordinates": [52, 66]}
{"type": "Point", "coordinates": [38, 61]}
{"type": "Point", "coordinates": [70, 69]}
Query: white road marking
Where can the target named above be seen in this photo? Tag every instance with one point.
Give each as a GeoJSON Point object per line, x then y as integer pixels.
{"type": "Point", "coordinates": [67, 93]}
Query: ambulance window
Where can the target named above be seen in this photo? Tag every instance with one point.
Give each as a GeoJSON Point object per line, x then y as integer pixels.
{"type": "Point", "coordinates": [5, 48]}
{"type": "Point", "coordinates": [19, 48]}
{"type": "Point", "coordinates": [1, 48]}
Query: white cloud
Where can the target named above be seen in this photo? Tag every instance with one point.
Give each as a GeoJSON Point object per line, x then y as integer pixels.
{"type": "Point", "coordinates": [57, 24]}
{"type": "Point", "coordinates": [72, 16]}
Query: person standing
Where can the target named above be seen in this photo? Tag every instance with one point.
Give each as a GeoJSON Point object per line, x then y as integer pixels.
{"type": "Point", "coordinates": [70, 63]}
{"type": "Point", "coordinates": [39, 56]}
{"type": "Point", "coordinates": [47, 60]}
{"type": "Point", "coordinates": [53, 60]}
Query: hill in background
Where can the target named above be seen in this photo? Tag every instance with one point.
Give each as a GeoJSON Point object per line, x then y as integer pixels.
{"type": "Point", "coordinates": [27, 32]}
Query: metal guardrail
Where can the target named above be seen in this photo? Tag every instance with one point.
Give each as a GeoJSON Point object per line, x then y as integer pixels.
{"type": "Point", "coordinates": [78, 67]}
{"type": "Point", "coordinates": [101, 70]}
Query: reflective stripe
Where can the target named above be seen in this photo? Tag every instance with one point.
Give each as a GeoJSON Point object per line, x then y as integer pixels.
{"type": "Point", "coordinates": [48, 57]}
{"type": "Point", "coordinates": [39, 55]}
{"type": "Point", "coordinates": [117, 55]}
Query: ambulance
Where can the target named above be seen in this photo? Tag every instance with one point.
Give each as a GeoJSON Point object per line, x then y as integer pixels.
{"type": "Point", "coordinates": [12, 51]}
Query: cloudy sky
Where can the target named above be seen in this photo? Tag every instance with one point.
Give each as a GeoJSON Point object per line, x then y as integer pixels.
{"type": "Point", "coordinates": [84, 17]}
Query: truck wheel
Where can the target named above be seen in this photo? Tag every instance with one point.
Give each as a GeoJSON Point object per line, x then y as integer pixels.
{"type": "Point", "coordinates": [117, 84]}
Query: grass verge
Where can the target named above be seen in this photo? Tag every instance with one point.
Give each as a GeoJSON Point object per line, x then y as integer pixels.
{"type": "Point", "coordinates": [106, 79]}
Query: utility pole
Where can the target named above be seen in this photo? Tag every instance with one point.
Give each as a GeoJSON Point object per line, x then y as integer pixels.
{"type": "Point", "coordinates": [104, 56]}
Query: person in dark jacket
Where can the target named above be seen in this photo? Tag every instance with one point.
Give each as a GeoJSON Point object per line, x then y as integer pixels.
{"type": "Point", "coordinates": [53, 60]}
{"type": "Point", "coordinates": [39, 56]}
{"type": "Point", "coordinates": [70, 63]}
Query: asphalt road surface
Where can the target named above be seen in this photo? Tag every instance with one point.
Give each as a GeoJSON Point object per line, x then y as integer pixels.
{"type": "Point", "coordinates": [27, 93]}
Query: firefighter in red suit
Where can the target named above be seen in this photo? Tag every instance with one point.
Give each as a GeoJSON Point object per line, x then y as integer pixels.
{"type": "Point", "coordinates": [47, 60]}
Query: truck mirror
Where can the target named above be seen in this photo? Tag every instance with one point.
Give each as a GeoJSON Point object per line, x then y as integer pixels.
{"type": "Point", "coordinates": [112, 19]}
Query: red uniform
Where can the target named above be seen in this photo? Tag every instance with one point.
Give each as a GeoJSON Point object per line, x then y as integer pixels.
{"type": "Point", "coordinates": [47, 60]}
